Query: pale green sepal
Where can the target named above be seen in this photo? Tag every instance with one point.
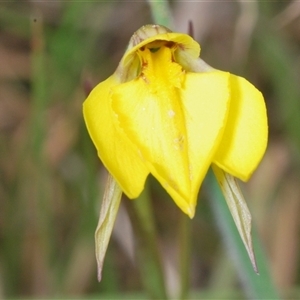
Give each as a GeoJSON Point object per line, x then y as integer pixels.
{"type": "Point", "coordinates": [108, 213]}
{"type": "Point", "coordinates": [238, 209]}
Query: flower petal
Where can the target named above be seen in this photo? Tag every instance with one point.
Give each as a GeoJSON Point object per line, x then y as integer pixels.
{"type": "Point", "coordinates": [246, 134]}
{"type": "Point", "coordinates": [149, 111]}
{"type": "Point", "coordinates": [114, 149]}
{"type": "Point", "coordinates": [205, 99]}
{"type": "Point", "coordinates": [177, 133]}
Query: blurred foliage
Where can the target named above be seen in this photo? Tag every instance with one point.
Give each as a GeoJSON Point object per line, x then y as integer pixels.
{"type": "Point", "coordinates": [51, 181]}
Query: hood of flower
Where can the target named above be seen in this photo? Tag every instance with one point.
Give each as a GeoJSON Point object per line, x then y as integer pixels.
{"type": "Point", "coordinates": [130, 64]}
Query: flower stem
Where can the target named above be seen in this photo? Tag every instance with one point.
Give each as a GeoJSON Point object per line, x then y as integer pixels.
{"type": "Point", "coordinates": [161, 13]}
{"type": "Point", "coordinates": [185, 255]}
{"type": "Point", "coordinates": [141, 214]}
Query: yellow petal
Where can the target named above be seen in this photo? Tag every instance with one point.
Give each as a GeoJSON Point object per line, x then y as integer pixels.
{"type": "Point", "coordinates": [114, 149]}
{"type": "Point", "coordinates": [205, 99]}
{"type": "Point", "coordinates": [149, 111]}
{"type": "Point", "coordinates": [246, 134]}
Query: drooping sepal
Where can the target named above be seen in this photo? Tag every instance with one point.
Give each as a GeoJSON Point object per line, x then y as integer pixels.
{"type": "Point", "coordinates": [108, 213]}
{"type": "Point", "coordinates": [238, 209]}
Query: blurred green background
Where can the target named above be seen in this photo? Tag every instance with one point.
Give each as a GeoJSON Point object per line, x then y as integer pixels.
{"type": "Point", "coordinates": [51, 181]}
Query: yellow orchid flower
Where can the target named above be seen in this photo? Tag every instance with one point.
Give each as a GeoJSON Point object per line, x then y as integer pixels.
{"type": "Point", "coordinates": [166, 112]}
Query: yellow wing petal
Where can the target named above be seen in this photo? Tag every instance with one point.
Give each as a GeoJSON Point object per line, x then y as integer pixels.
{"type": "Point", "coordinates": [205, 99]}
{"type": "Point", "coordinates": [246, 134]}
{"type": "Point", "coordinates": [114, 149]}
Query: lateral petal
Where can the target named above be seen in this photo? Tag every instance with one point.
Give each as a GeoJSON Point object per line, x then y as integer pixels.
{"type": "Point", "coordinates": [205, 99]}
{"type": "Point", "coordinates": [245, 138]}
{"type": "Point", "coordinates": [114, 149]}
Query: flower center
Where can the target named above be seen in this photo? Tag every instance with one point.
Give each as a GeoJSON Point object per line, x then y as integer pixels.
{"type": "Point", "coordinates": [158, 66]}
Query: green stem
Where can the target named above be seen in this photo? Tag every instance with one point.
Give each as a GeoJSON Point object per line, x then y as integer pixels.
{"type": "Point", "coordinates": [185, 255]}
{"type": "Point", "coordinates": [141, 213]}
{"type": "Point", "coordinates": [161, 13]}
